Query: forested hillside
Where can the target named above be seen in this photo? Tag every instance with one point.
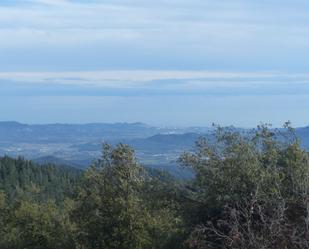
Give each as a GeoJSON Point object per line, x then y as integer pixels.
{"type": "Point", "coordinates": [249, 192]}
{"type": "Point", "coordinates": [20, 177]}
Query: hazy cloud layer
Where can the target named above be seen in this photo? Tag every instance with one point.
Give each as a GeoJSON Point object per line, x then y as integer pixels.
{"type": "Point", "coordinates": [175, 62]}
{"type": "Point", "coordinates": [139, 83]}
{"type": "Point", "coordinates": [228, 34]}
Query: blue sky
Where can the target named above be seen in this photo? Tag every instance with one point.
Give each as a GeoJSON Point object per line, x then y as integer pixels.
{"type": "Point", "coordinates": [175, 62]}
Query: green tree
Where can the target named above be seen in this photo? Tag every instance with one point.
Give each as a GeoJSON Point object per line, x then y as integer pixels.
{"type": "Point", "coordinates": [162, 196]}
{"type": "Point", "coordinates": [20, 178]}
{"type": "Point", "coordinates": [4, 211]}
{"type": "Point", "coordinates": [110, 212]}
{"type": "Point", "coordinates": [250, 191]}
{"type": "Point", "coordinates": [38, 226]}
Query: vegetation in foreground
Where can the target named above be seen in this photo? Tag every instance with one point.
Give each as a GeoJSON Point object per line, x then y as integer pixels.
{"type": "Point", "coordinates": [249, 192]}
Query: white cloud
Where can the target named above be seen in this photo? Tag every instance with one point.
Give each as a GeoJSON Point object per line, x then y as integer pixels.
{"type": "Point", "coordinates": [196, 30]}
{"type": "Point", "coordinates": [49, 2]}
{"type": "Point", "coordinates": [162, 80]}
{"type": "Point", "coordinates": [140, 76]}
{"type": "Point", "coordinates": [63, 21]}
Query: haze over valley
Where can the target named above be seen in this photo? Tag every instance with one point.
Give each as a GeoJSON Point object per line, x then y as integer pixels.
{"type": "Point", "coordinates": [78, 145]}
{"type": "Point", "coordinates": [167, 124]}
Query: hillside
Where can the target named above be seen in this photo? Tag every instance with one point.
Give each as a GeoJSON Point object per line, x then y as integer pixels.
{"type": "Point", "coordinates": [78, 145]}
{"type": "Point", "coordinates": [303, 134]}
{"type": "Point", "coordinates": [20, 177]}
{"type": "Point", "coordinates": [54, 133]}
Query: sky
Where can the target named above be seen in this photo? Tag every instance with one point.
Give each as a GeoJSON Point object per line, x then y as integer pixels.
{"type": "Point", "coordinates": [164, 62]}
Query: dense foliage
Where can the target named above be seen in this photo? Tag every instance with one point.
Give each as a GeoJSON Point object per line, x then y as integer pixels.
{"type": "Point", "coordinates": [249, 191]}
{"type": "Point", "coordinates": [252, 191]}
{"type": "Point", "coordinates": [21, 178]}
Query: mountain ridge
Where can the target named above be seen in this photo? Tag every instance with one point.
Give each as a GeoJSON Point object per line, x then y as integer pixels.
{"type": "Point", "coordinates": [80, 144]}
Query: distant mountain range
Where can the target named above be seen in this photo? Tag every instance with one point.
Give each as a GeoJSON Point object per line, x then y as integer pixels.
{"type": "Point", "coordinates": [80, 144]}
{"type": "Point", "coordinates": [53, 133]}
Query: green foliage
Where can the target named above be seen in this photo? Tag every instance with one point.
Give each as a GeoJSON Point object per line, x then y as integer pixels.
{"type": "Point", "coordinates": [20, 178]}
{"type": "Point", "coordinates": [162, 196]}
{"type": "Point", "coordinates": [117, 205]}
{"type": "Point", "coordinates": [111, 211]}
{"type": "Point", "coordinates": [38, 226]}
{"type": "Point", "coordinates": [3, 219]}
{"type": "Point", "coordinates": [252, 191]}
